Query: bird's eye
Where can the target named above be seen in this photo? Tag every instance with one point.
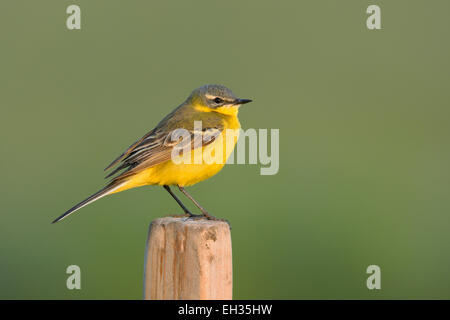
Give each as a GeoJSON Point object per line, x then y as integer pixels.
{"type": "Point", "coordinates": [218, 100]}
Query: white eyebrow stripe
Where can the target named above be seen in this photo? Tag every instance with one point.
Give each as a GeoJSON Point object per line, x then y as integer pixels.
{"type": "Point", "coordinates": [209, 96]}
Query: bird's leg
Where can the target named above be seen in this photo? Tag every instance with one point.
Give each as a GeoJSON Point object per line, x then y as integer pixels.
{"type": "Point", "coordinates": [204, 212]}
{"type": "Point", "coordinates": [186, 211]}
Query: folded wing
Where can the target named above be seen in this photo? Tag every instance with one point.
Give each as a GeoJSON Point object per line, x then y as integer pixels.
{"type": "Point", "coordinates": [156, 147]}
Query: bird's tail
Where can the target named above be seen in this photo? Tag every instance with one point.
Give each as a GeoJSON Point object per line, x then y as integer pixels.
{"type": "Point", "coordinates": [98, 195]}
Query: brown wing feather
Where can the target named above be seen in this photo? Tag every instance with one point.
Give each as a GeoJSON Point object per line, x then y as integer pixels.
{"type": "Point", "coordinates": [156, 148]}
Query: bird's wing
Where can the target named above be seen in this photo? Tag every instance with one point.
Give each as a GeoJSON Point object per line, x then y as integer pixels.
{"type": "Point", "coordinates": [128, 151]}
{"type": "Point", "coordinates": [157, 145]}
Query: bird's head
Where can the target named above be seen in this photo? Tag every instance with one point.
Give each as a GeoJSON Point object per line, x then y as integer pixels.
{"type": "Point", "coordinates": [216, 98]}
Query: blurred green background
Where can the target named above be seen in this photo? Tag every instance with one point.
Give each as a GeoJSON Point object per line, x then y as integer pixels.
{"type": "Point", "coordinates": [364, 130]}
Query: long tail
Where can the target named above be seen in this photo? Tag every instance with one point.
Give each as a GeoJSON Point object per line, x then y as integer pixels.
{"type": "Point", "coordinates": [98, 195]}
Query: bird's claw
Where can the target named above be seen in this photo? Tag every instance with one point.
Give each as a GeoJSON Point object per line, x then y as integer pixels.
{"type": "Point", "coordinates": [206, 216]}
{"type": "Point", "coordinates": [211, 217]}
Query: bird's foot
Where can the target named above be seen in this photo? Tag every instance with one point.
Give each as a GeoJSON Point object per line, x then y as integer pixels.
{"type": "Point", "coordinates": [211, 217]}
{"type": "Point", "coordinates": [178, 215]}
{"type": "Point", "coordinates": [205, 215]}
{"type": "Point", "coordinates": [195, 216]}
{"type": "Point", "coordinates": [188, 215]}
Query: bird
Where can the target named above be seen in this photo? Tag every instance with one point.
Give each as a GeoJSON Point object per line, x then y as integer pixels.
{"type": "Point", "coordinates": [165, 157]}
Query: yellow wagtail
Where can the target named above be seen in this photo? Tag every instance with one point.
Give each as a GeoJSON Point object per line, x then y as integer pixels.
{"type": "Point", "coordinates": [149, 161]}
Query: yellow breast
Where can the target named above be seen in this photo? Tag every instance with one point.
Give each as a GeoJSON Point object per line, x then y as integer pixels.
{"type": "Point", "coordinates": [185, 172]}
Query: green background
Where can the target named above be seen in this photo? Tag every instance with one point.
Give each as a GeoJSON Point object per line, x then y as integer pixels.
{"type": "Point", "coordinates": [364, 142]}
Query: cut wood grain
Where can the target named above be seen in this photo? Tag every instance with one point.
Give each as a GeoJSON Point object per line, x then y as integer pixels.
{"type": "Point", "coordinates": [188, 259]}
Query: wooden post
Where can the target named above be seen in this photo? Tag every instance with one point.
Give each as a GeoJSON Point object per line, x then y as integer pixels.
{"type": "Point", "coordinates": [188, 259]}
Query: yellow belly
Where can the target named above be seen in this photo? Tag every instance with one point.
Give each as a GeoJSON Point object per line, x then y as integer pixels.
{"type": "Point", "coordinates": [213, 158]}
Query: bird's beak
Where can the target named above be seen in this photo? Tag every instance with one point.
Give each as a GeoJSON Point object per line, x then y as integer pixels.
{"type": "Point", "coordinates": [242, 101]}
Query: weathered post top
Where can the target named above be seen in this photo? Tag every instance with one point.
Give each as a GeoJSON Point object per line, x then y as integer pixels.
{"type": "Point", "coordinates": [188, 259]}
